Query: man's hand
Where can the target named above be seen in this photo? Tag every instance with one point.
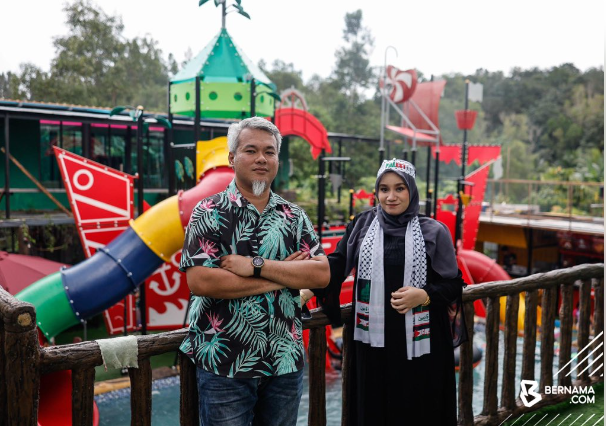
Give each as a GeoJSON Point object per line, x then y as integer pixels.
{"type": "Point", "coordinates": [242, 266]}
{"type": "Point", "coordinates": [239, 265]}
{"type": "Point", "coordinates": [298, 255]}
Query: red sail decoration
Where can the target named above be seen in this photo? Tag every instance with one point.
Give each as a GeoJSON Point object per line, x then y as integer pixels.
{"type": "Point", "coordinates": [480, 153]}
{"type": "Point", "coordinates": [400, 84]}
{"type": "Point", "coordinates": [471, 219]}
{"type": "Point", "coordinates": [472, 211]}
{"type": "Point", "coordinates": [101, 199]}
{"type": "Point", "coordinates": [427, 98]}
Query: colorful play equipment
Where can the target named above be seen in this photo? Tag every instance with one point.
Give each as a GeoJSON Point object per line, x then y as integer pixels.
{"type": "Point", "coordinates": [224, 75]}
{"type": "Point", "coordinates": [66, 298]}
{"type": "Point", "coordinates": [72, 295]}
{"type": "Point", "coordinates": [297, 121]}
{"type": "Point", "coordinates": [55, 406]}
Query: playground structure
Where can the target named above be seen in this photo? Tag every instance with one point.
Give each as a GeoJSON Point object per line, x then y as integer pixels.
{"type": "Point", "coordinates": [135, 249]}
{"type": "Point", "coordinates": [71, 296]}
{"type": "Point", "coordinates": [140, 239]}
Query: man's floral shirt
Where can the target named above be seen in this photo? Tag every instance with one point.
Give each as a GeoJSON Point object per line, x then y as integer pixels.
{"type": "Point", "coordinates": [253, 336]}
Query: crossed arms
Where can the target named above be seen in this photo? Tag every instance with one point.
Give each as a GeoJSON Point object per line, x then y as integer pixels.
{"type": "Point", "coordinates": [233, 279]}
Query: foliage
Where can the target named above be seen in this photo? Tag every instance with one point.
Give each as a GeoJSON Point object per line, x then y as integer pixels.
{"type": "Point", "coordinates": [549, 122]}
{"type": "Point", "coordinates": [95, 65]}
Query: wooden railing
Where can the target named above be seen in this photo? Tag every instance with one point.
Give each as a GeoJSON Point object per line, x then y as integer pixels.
{"type": "Point", "coordinates": [23, 361]}
{"type": "Point", "coordinates": [548, 286]}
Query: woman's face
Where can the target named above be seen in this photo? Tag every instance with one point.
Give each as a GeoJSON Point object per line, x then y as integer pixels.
{"type": "Point", "coordinates": [393, 194]}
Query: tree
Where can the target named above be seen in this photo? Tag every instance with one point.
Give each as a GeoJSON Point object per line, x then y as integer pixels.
{"type": "Point", "coordinates": [9, 84]}
{"type": "Point", "coordinates": [283, 75]}
{"type": "Point", "coordinates": [353, 72]}
{"type": "Point", "coordinates": [96, 65]}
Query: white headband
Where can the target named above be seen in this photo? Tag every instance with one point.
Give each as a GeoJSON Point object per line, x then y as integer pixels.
{"type": "Point", "coordinates": [397, 165]}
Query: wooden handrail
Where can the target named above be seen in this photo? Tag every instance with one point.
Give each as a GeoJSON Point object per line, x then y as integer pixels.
{"type": "Point", "coordinates": [532, 282]}
{"type": "Point", "coordinates": [23, 361]}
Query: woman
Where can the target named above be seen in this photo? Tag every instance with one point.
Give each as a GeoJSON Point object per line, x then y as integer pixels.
{"type": "Point", "coordinates": [406, 282]}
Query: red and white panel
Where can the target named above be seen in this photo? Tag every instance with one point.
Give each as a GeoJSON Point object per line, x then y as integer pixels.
{"type": "Point", "coordinates": [399, 85]}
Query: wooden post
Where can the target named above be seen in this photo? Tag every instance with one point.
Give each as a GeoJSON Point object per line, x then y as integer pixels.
{"type": "Point", "coordinates": [346, 366]}
{"type": "Point", "coordinates": [530, 334]}
{"type": "Point", "coordinates": [140, 393]}
{"type": "Point", "coordinates": [22, 357]}
{"type": "Point", "coordinates": [189, 414]}
{"type": "Point", "coordinates": [598, 318]}
{"type": "Point", "coordinates": [491, 356]}
{"type": "Point", "coordinates": [548, 311]}
{"type": "Point", "coordinates": [466, 370]}
{"type": "Point", "coordinates": [565, 335]}
{"type": "Point", "coordinates": [83, 395]}
{"type": "Point", "coordinates": [317, 377]}
{"type": "Point", "coordinates": [583, 328]}
{"type": "Point", "coordinates": [508, 392]}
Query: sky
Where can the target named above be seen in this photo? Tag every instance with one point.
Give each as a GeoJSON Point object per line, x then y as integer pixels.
{"type": "Point", "coordinates": [435, 37]}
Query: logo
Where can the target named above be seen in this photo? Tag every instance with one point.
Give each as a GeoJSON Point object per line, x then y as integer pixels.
{"type": "Point", "coordinates": [528, 388]}
{"type": "Point", "coordinates": [394, 163]}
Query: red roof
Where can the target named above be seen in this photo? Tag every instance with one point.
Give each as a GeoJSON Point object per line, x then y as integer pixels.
{"type": "Point", "coordinates": [18, 271]}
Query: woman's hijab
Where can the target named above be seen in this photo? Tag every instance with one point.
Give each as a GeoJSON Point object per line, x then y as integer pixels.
{"type": "Point", "coordinates": [438, 243]}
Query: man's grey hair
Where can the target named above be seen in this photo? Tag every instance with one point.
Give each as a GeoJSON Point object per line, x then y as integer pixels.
{"type": "Point", "coordinates": [233, 134]}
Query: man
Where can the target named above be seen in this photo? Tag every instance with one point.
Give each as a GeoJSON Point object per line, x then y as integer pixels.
{"type": "Point", "coordinates": [247, 252]}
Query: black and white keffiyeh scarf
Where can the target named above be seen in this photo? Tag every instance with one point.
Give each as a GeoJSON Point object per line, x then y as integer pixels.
{"type": "Point", "coordinates": [370, 297]}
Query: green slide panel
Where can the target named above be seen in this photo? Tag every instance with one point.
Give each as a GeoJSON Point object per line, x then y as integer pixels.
{"type": "Point", "coordinates": [53, 311]}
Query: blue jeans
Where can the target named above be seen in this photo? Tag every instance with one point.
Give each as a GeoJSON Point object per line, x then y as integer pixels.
{"type": "Point", "coordinates": [266, 401]}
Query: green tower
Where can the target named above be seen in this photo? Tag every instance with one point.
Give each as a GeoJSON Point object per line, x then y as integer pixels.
{"type": "Point", "coordinates": [227, 78]}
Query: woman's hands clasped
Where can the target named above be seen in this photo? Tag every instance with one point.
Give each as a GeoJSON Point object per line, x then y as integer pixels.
{"type": "Point", "coordinates": [406, 298]}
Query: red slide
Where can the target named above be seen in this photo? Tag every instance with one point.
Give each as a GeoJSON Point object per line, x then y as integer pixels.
{"type": "Point", "coordinates": [55, 407]}
{"type": "Point", "coordinates": [478, 268]}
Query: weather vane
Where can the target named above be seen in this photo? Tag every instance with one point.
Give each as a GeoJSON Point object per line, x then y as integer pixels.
{"type": "Point", "coordinates": [236, 7]}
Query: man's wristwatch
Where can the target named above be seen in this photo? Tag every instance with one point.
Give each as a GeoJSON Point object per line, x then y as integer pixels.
{"type": "Point", "coordinates": [257, 263]}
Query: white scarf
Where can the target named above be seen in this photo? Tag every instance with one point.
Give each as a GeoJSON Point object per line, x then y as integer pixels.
{"type": "Point", "coordinates": [370, 294]}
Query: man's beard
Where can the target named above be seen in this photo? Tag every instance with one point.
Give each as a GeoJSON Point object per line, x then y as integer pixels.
{"type": "Point", "coordinates": [258, 187]}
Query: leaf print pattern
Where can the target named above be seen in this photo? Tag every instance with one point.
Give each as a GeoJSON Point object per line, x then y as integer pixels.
{"type": "Point", "coordinates": [253, 336]}
{"type": "Point", "coordinates": [272, 236]}
{"type": "Point", "coordinates": [285, 350]}
{"type": "Point", "coordinates": [244, 362]}
{"type": "Point", "coordinates": [248, 323]}
{"type": "Point", "coordinates": [287, 303]}
{"type": "Point", "coordinates": [209, 352]}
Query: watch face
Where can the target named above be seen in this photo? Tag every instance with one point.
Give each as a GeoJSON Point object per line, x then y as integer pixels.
{"type": "Point", "coordinates": [258, 261]}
